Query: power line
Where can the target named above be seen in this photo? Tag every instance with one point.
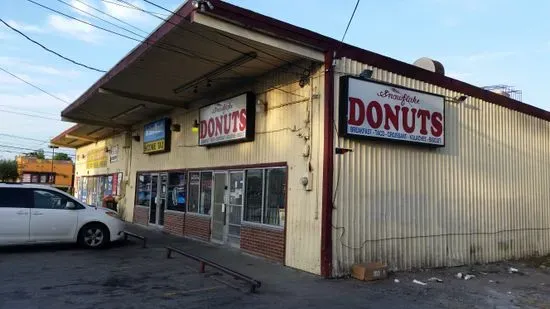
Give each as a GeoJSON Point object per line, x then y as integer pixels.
{"type": "Point", "coordinates": [349, 22]}
{"type": "Point", "coordinates": [23, 137]}
{"type": "Point", "coordinates": [11, 147]}
{"type": "Point", "coordinates": [28, 110]}
{"type": "Point", "coordinates": [179, 50]}
{"type": "Point", "coordinates": [102, 19]}
{"type": "Point", "coordinates": [129, 7]}
{"type": "Point", "coordinates": [28, 115]}
{"type": "Point", "coordinates": [52, 51]}
{"type": "Point", "coordinates": [34, 86]}
{"type": "Point", "coordinates": [113, 17]}
{"type": "Point", "coordinates": [214, 41]}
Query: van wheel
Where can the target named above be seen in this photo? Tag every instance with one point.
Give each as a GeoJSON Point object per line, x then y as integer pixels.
{"type": "Point", "coordinates": [94, 236]}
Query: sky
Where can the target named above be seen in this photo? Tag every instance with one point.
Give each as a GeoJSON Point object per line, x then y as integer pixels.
{"type": "Point", "coordinates": [480, 42]}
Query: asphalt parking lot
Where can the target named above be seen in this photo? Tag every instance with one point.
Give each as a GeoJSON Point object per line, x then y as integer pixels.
{"type": "Point", "coordinates": [128, 276]}
{"type": "Point", "coordinates": [124, 276]}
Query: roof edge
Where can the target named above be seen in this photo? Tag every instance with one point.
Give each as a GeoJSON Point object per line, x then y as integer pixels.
{"type": "Point", "coordinates": [183, 13]}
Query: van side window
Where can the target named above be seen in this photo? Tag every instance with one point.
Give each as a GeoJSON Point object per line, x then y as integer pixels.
{"type": "Point", "coordinates": [49, 200]}
{"type": "Point", "coordinates": [14, 198]}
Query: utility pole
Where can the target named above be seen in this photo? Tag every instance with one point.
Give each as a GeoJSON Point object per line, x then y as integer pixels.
{"type": "Point", "coordinates": [53, 147]}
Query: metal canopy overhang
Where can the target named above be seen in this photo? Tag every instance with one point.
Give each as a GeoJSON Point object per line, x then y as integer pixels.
{"type": "Point", "coordinates": [83, 134]}
{"type": "Point", "coordinates": [187, 66]}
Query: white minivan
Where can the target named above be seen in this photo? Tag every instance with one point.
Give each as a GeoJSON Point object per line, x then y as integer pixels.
{"type": "Point", "coordinates": [32, 214]}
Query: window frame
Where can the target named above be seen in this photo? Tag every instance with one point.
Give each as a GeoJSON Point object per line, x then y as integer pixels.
{"type": "Point", "coordinates": [77, 204]}
{"type": "Point", "coordinates": [136, 193]}
{"type": "Point", "coordinates": [199, 202]}
{"type": "Point", "coordinates": [168, 183]}
{"type": "Point", "coordinates": [264, 196]}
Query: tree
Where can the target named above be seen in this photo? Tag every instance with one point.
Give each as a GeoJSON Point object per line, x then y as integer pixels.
{"type": "Point", "coordinates": [8, 170]}
{"type": "Point", "coordinates": [39, 154]}
{"type": "Point", "coordinates": [62, 156]}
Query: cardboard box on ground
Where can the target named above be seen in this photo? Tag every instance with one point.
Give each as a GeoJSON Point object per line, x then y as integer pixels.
{"type": "Point", "coordinates": [369, 271]}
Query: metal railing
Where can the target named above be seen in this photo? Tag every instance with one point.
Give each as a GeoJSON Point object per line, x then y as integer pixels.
{"type": "Point", "coordinates": [254, 284]}
{"type": "Point", "coordinates": [130, 234]}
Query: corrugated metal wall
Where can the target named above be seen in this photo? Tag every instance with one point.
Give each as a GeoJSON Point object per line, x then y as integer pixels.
{"type": "Point", "coordinates": [483, 197]}
{"type": "Point", "coordinates": [279, 137]}
{"type": "Point", "coordinates": [112, 167]}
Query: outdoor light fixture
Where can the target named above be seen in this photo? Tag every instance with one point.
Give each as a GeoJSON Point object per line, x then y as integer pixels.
{"type": "Point", "coordinates": [175, 127]}
{"type": "Point", "coordinates": [202, 4]}
{"type": "Point", "coordinates": [366, 74]}
{"type": "Point", "coordinates": [195, 127]}
{"type": "Point", "coordinates": [128, 112]}
{"type": "Point", "coordinates": [219, 71]}
{"type": "Point", "coordinates": [460, 99]}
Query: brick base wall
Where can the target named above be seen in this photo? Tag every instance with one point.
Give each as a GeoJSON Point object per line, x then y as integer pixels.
{"type": "Point", "coordinates": [174, 222]}
{"type": "Point", "coordinates": [197, 227]}
{"type": "Point", "coordinates": [266, 242]}
{"type": "Point", "coordinates": [141, 215]}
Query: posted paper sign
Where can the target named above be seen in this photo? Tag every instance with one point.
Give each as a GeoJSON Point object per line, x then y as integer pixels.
{"type": "Point", "coordinates": [370, 109]}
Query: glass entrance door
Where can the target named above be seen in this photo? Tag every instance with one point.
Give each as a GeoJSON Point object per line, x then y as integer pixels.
{"type": "Point", "coordinates": [219, 233]}
{"type": "Point", "coordinates": [159, 188]}
{"type": "Point", "coordinates": [235, 208]}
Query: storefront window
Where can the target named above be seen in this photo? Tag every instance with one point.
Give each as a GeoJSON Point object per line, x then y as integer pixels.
{"type": "Point", "coordinates": [254, 194]}
{"type": "Point", "coordinates": [274, 213]}
{"type": "Point", "coordinates": [177, 191]}
{"type": "Point", "coordinates": [194, 188]}
{"type": "Point", "coordinates": [265, 196]}
{"type": "Point", "coordinates": [206, 193]}
{"type": "Point", "coordinates": [144, 190]}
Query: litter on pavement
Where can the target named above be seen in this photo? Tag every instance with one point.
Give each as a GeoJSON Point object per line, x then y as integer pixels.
{"type": "Point", "coordinates": [419, 282]}
{"type": "Point", "coordinates": [435, 279]}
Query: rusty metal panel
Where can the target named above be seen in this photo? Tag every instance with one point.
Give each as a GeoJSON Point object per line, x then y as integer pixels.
{"type": "Point", "coordinates": [483, 197]}
{"type": "Point", "coordinates": [287, 125]}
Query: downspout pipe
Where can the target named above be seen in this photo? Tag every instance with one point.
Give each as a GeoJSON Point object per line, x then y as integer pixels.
{"type": "Point", "coordinates": [328, 168]}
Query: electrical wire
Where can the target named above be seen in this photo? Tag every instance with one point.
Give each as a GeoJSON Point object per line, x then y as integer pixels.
{"type": "Point", "coordinates": [42, 90]}
{"type": "Point", "coordinates": [113, 17]}
{"type": "Point", "coordinates": [23, 137]}
{"type": "Point", "coordinates": [179, 50]}
{"type": "Point", "coordinates": [102, 19]}
{"type": "Point", "coordinates": [350, 20]}
{"type": "Point", "coordinates": [129, 7]}
{"type": "Point", "coordinates": [167, 20]}
{"type": "Point", "coordinates": [224, 35]}
{"type": "Point", "coordinates": [34, 86]}
{"type": "Point", "coordinates": [28, 115]}
{"type": "Point", "coordinates": [280, 130]}
{"type": "Point", "coordinates": [52, 51]}
{"type": "Point", "coordinates": [435, 235]}
{"type": "Point", "coordinates": [338, 168]}
{"type": "Point", "coordinates": [25, 148]}
{"type": "Point", "coordinates": [28, 110]}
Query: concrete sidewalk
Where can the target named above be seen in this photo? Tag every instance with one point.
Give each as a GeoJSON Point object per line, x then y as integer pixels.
{"type": "Point", "coordinates": [270, 273]}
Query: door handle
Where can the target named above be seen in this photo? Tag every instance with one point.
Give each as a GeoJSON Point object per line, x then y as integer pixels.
{"type": "Point", "coordinates": [22, 212]}
{"type": "Point", "coordinates": [224, 214]}
{"type": "Point", "coordinates": [37, 213]}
